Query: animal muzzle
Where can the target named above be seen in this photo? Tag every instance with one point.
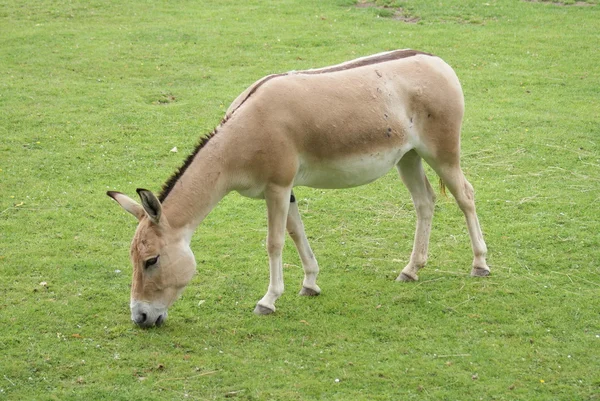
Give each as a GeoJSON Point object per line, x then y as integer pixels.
{"type": "Point", "coordinates": [145, 315]}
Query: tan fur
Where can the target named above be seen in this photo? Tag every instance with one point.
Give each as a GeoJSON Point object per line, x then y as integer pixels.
{"type": "Point", "coordinates": [334, 127]}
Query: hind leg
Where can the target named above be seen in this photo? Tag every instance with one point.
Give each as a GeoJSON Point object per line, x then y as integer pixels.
{"type": "Point", "coordinates": [452, 175]}
{"type": "Point", "coordinates": [411, 171]}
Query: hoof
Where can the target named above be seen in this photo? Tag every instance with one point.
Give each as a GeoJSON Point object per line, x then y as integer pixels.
{"type": "Point", "coordinates": [406, 278]}
{"type": "Point", "coordinates": [263, 310]}
{"type": "Point", "coordinates": [309, 292]}
{"type": "Point", "coordinates": [480, 272]}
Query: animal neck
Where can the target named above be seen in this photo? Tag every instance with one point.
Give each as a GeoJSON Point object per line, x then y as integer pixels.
{"type": "Point", "coordinates": [195, 191]}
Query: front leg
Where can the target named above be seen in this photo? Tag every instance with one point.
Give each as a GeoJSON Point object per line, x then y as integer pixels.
{"type": "Point", "coordinates": [309, 263]}
{"type": "Point", "coordinates": [277, 209]}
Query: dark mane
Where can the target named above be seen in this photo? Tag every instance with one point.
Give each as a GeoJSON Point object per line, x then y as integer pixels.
{"type": "Point", "coordinates": [170, 184]}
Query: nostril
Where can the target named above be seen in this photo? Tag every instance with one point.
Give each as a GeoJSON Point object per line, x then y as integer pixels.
{"type": "Point", "coordinates": [140, 319]}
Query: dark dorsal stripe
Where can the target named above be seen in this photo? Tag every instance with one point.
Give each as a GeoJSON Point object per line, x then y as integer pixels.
{"type": "Point", "coordinates": [390, 56]}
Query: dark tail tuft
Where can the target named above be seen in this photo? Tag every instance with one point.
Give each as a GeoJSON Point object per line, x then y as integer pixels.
{"type": "Point", "coordinates": [442, 188]}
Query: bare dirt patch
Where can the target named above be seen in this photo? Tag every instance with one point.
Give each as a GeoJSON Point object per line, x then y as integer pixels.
{"type": "Point", "coordinates": [395, 13]}
{"type": "Point", "coordinates": [561, 3]}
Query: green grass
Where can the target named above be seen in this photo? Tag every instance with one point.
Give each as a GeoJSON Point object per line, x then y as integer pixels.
{"type": "Point", "coordinates": [93, 95]}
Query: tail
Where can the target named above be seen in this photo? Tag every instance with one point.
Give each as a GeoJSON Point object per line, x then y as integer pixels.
{"type": "Point", "coordinates": [443, 188]}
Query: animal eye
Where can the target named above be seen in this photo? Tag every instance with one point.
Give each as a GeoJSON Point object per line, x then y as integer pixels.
{"type": "Point", "coordinates": [150, 262]}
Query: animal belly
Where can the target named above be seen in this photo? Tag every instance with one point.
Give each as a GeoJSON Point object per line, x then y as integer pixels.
{"type": "Point", "coordinates": [347, 172]}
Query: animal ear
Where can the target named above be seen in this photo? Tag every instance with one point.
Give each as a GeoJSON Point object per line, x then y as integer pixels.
{"type": "Point", "coordinates": [128, 204]}
{"type": "Point", "coordinates": [151, 204]}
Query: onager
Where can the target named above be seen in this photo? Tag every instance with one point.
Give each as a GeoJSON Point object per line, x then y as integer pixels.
{"type": "Point", "coordinates": [333, 127]}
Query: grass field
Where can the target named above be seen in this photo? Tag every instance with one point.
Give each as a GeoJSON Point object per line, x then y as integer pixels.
{"type": "Point", "coordinates": [95, 94]}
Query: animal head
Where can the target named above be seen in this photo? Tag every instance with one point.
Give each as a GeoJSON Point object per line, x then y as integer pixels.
{"type": "Point", "coordinates": [163, 263]}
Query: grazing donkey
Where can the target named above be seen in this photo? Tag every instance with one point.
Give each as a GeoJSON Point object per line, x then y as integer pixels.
{"type": "Point", "coordinates": [333, 127]}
